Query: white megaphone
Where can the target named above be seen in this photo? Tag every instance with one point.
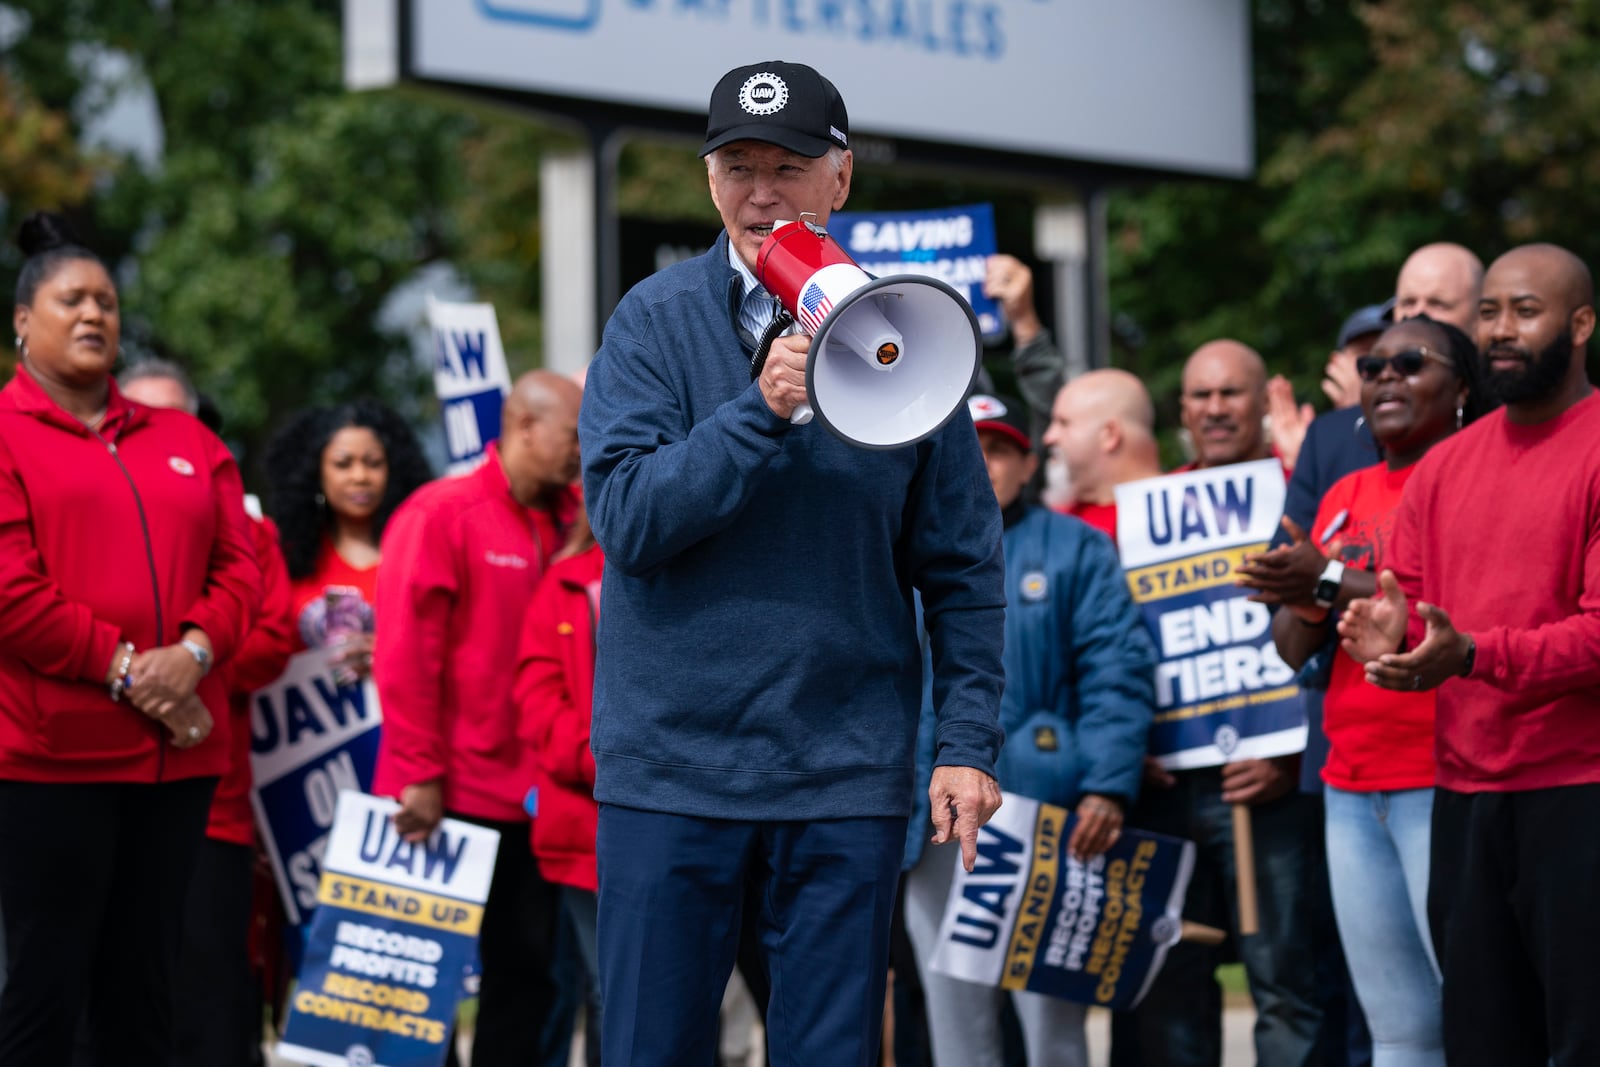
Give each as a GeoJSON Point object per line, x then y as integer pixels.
{"type": "Point", "coordinates": [891, 358]}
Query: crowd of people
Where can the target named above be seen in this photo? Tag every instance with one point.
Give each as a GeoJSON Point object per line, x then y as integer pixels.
{"type": "Point", "coordinates": [733, 690]}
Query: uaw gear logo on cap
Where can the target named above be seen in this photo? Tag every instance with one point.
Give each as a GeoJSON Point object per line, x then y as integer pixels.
{"type": "Point", "coordinates": [763, 94]}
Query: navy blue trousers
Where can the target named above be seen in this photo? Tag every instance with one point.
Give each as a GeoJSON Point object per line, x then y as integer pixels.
{"type": "Point", "coordinates": [672, 894]}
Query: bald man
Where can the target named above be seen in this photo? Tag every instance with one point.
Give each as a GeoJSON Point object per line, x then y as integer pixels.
{"type": "Point", "coordinates": [1495, 595]}
{"type": "Point", "coordinates": [1224, 403]}
{"type": "Point", "coordinates": [461, 559]}
{"type": "Point", "coordinates": [1178, 1023]}
{"type": "Point", "coordinates": [1441, 281]}
{"type": "Point", "coordinates": [1102, 428]}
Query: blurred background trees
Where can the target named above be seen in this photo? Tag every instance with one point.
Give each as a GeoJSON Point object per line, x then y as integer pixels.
{"type": "Point", "coordinates": [266, 226]}
{"type": "Point", "coordinates": [1379, 127]}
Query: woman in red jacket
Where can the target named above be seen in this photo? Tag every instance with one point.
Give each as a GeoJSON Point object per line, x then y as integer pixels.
{"type": "Point", "coordinates": [126, 575]}
{"type": "Point", "coordinates": [555, 694]}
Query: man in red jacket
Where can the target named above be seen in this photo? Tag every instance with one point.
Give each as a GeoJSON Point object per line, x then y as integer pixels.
{"type": "Point", "coordinates": [461, 559]}
{"type": "Point", "coordinates": [1497, 545]}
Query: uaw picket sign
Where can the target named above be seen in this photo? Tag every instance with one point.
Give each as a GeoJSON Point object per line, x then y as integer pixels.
{"type": "Point", "coordinates": [1030, 917]}
{"type": "Point", "coordinates": [310, 738]}
{"type": "Point", "coordinates": [470, 376]}
{"type": "Point", "coordinates": [396, 928]}
{"type": "Point", "coordinates": [1222, 691]}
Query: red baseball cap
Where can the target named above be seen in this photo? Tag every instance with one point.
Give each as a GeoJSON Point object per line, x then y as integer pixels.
{"type": "Point", "coordinates": [992, 414]}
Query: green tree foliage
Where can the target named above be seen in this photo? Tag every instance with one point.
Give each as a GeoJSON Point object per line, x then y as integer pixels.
{"type": "Point", "coordinates": [39, 159]}
{"type": "Point", "coordinates": [1195, 260]}
{"type": "Point", "coordinates": [501, 237]}
{"type": "Point", "coordinates": [1380, 127]}
{"type": "Point", "coordinates": [284, 211]}
{"type": "Point", "coordinates": [270, 277]}
{"type": "Point", "coordinates": [39, 164]}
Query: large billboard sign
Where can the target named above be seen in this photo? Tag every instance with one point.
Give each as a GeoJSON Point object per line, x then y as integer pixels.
{"type": "Point", "coordinates": [1151, 84]}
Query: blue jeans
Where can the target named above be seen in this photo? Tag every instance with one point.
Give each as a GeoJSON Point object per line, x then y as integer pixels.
{"type": "Point", "coordinates": [1378, 868]}
{"type": "Point", "coordinates": [1179, 1022]}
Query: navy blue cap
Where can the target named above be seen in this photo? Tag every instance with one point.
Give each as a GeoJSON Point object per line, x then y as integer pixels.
{"type": "Point", "coordinates": [1374, 318]}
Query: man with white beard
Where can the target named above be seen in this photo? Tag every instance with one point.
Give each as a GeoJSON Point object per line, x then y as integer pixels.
{"type": "Point", "coordinates": [1102, 432]}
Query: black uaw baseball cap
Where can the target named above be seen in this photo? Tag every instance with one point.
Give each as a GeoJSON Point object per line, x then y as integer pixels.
{"type": "Point", "coordinates": [786, 104]}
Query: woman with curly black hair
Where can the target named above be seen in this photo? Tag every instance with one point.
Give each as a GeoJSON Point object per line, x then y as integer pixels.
{"type": "Point", "coordinates": [336, 475]}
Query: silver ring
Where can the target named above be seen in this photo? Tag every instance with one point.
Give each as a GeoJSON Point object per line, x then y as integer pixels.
{"type": "Point", "coordinates": [194, 732]}
{"type": "Point", "coordinates": [1416, 681]}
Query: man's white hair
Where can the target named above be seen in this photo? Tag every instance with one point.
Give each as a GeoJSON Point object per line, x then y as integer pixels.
{"type": "Point", "coordinates": [834, 157]}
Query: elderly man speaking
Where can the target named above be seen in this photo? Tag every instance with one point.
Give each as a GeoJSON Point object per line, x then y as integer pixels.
{"type": "Point", "coordinates": [759, 671]}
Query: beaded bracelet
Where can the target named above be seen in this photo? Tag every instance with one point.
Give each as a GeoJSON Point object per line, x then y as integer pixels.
{"type": "Point", "coordinates": [120, 682]}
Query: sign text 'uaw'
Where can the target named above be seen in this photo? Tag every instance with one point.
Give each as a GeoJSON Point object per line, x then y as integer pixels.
{"type": "Point", "coordinates": [395, 930]}
{"type": "Point", "coordinates": [1222, 691]}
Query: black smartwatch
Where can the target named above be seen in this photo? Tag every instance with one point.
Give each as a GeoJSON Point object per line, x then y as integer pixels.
{"type": "Point", "coordinates": [1327, 590]}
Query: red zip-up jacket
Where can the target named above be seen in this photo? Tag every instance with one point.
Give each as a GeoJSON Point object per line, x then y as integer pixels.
{"type": "Point", "coordinates": [135, 532]}
{"type": "Point", "coordinates": [461, 560]}
{"type": "Point", "coordinates": [555, 691]}
{"type": "Point", "coordinates": [262, 655]}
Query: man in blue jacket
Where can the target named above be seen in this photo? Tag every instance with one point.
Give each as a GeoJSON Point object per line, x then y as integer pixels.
{"type": "Point", "coordinates": [1079, 695]}
{"type": "Point", "coordinates": [759, 674]}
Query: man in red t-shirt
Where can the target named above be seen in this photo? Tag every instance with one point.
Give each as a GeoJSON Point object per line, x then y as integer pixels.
{"type": "Point", "coordinates": [1102, 429]}
{"type": "Point", "coordinates": [1497, 543]}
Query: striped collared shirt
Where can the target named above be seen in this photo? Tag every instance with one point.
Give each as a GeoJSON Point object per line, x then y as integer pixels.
{"type": "Point", "coordinates": [758, 307]}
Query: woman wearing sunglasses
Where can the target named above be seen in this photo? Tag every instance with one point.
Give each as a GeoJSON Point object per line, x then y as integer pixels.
{"type": "Point", "coordinates": [1418, 386]}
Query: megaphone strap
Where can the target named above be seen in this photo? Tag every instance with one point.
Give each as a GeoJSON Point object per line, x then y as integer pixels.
{"type": "Point", "coordinates": [780, 322]}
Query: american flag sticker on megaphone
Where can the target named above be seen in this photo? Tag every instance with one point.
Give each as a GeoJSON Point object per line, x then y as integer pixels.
{"type": "Point", "coordinates": [814, 307]}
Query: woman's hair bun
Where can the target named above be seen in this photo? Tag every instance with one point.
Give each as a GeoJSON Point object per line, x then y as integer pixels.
{"type": "Point", "coordinates": [43, 231]}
